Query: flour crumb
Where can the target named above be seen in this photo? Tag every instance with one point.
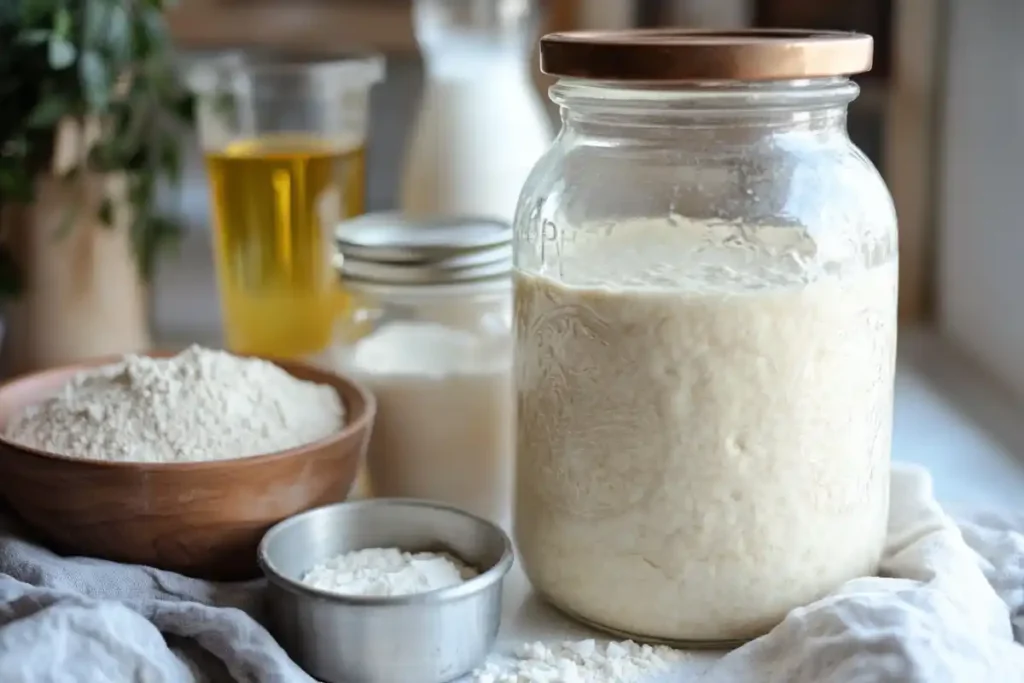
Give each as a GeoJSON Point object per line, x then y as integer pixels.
{"type": "Point", "coordinates": [584, 661]}
{"type": "Point", "coordinates": [199, 405]}
{"type": "Point", "coordinates": [387, 572]}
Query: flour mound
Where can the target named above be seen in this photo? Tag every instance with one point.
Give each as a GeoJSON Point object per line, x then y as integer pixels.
{"type": "Point", "coordinates": [197, 406]}
{"type": "Point", "coordinates": [386, 572]}
{"type": "Point", "coordinates": [584, 661]}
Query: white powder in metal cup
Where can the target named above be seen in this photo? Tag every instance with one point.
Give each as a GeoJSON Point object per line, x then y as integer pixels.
{"type": "Point", "coordinates": [387, 572]}
{"type": "Point", "coordinates": [199, 405]}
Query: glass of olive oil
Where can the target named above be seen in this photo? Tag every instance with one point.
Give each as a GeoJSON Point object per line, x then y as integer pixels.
{"type": "Point", "coordinates": [284, 142]}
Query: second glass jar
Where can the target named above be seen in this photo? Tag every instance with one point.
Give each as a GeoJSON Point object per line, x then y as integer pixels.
{"type": "Point", "coordinates": [705, 328]}
{"type": "Point", "coordinates": [430, 335]}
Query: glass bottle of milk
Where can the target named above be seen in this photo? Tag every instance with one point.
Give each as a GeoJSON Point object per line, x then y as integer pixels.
{"type": "Point", "coordinates": [482, 124]}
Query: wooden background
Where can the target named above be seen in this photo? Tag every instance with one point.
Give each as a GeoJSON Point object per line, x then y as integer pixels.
{"type": "Point", "coordinates": [902, 86]}
{"type": "Point", "coordinates": [317, 25]}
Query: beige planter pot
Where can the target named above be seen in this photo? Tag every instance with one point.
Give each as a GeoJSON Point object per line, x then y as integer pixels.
{"type": "Point", "coordinates": [83, 296]}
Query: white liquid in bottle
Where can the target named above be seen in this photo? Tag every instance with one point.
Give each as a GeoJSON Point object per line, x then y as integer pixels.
{"type": "Point", "coordinates": [482, 124]}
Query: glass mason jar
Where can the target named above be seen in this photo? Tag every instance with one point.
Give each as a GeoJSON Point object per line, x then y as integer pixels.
{"type": "Point", "coordinates": [430, 336]}
{"type": "Point", "coordinates": [284, 140]}
{"type": "Point", "coordinates": [705, 333]}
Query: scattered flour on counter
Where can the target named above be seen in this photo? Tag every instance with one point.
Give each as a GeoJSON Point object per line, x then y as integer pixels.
{"type": "Point", "coordinates": [584, 661]}
{"type": "Point", "coordinates": [200, 405]}
{"type": "Point", "coordinates": [387, 572]}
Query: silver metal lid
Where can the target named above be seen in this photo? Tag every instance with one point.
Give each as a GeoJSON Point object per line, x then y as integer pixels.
{"type": "Point", "coordinates": [388, 248]}
{"type": "Point", "coordinates": [393, 238]}
{"type": "Point", "coordinates": [381, 273]}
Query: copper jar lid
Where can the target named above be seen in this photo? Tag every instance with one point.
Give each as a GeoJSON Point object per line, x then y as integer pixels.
{"type": "Point", "coordinates": [676, 55]}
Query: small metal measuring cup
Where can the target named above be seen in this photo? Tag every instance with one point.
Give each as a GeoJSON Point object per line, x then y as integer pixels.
{"type": "Point", "coordinates": [431, 637]}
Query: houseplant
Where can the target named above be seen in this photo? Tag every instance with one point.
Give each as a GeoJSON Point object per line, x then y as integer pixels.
{"type": "Point", "coordinates": [90, 125]}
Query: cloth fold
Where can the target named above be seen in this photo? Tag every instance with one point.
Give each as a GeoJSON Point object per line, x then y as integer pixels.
{"type": "Point", "coordinates": [79, 620]}
{"type": "Point", "coordinates": [947, 608]}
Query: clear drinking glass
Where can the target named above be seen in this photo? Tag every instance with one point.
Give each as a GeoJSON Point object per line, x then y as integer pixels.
{"type": "Point", "coordinates": [284, 142]}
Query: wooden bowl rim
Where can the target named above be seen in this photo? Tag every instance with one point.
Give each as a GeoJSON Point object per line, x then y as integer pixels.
{"type": "Point", "coordinates": [361, 422]}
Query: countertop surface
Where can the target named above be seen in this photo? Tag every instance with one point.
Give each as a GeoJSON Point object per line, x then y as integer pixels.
{"type": "Point", "coordinates": [525, 618]}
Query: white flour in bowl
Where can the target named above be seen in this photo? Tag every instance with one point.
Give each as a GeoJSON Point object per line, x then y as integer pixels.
{"type": "Point", "coordinates": [387, 572]}
{"type": "Point", "coordinates": [197, 406]}
{"type": "Point", "coordinates": [584, 661]}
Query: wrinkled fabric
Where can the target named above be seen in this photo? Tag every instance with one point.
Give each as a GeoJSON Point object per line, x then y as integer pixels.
{"type": "Point", "coordinates": [948, 608]}
{"type": "Point", "coordinates": [79, 620]}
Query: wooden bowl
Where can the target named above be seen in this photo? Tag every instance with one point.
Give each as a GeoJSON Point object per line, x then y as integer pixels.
{"type": "Point", "coordinates": [202, 519]}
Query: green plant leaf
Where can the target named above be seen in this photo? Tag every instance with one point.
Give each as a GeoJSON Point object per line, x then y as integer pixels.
{"type": "Point", "coordinates": [36, 36]}
{"type": "Point", "coordinates": [62, 23]}
{"type": "Point", "coordinates": [34, 11]}
{"type": "Point", "coordinates": [170, 159]}
{"type": "Point", "coordinates": [185, 108]}
{"type": "Point", "coordinates": [110, 61]}
{"type": "Point", "coordinates": [118, 30]}
{"type": "Point", "coordinates": [95, 80]}
{"type": "Point", "coordinates": [108, 28]}
{"type": "Point", "coordinates": [94, 32]}
{"type": "Point", "coordinates": [61, 53]}
{"type": "Point", "coordinates": [155, 28]}
{"type": "Point", "coordinates": [47, 112]}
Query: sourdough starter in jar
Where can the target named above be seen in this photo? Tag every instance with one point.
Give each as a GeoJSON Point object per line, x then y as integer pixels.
{"type": "Point", "coordinates": [704, 439]}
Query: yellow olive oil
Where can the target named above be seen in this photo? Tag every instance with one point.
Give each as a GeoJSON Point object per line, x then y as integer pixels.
{"type": "Point", "coordinates": [276, 201]}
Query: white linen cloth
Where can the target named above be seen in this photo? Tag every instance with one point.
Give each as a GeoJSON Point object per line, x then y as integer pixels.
{"type": "Point", "coordinates": [948, 607]}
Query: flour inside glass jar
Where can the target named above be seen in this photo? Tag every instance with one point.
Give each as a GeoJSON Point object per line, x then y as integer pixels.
{"type": "Point", "coordinates": [704, 416]}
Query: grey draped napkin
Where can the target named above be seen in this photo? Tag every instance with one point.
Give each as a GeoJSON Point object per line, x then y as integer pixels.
{"type": "Point", "coordinates": [80, 620]}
